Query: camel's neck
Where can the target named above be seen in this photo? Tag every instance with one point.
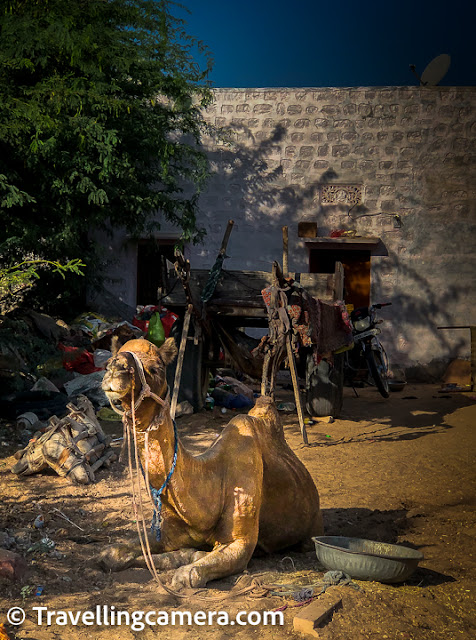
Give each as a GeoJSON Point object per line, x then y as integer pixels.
{"type": "Point", "coordinates": [162, 441]}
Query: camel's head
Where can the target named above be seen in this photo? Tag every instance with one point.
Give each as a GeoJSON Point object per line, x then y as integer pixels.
{"type": "Point", "coordinates": [121, 369]}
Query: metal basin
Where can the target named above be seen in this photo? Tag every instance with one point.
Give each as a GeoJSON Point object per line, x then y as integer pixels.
{"type": "Point", "coordinates": [366, 559]}
{"type": "Point", "coordinates": [396, 385]}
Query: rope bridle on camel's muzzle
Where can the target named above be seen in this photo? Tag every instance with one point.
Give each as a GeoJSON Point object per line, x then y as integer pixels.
{"type": "Point", "coordinates": [145, 392]}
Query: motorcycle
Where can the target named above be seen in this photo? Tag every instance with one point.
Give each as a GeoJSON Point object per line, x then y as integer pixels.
{"type": "Point", "coordinates": [368, 354]}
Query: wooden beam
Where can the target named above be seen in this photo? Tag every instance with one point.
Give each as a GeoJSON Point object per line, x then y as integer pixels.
{"type": "Point", "coordinates": [297, 395]}
{"type": "Point", "coordinates": [226, 237]}
{"type": "Point", "coordinates": [178, 370]}
{"type": "Point", "coordinates": [285, 252]}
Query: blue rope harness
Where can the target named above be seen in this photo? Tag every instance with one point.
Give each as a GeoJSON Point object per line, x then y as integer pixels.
{"type": "Point", "coordinates": [157, 493]}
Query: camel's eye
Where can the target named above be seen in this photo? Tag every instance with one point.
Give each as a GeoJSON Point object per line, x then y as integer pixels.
{"type": "Point", "coordinates": [155, 371]}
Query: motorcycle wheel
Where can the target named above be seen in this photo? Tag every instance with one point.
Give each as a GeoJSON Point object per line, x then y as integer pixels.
{"type": "Point", "coordinates": [378, 370]}
{"type": "Point", "coordinates": [324, 385]}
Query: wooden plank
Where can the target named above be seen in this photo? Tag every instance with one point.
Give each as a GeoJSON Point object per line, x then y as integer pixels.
{"type": "Point", "coordinates": [369, 240]}
{"type": "Point", "coordinates": [246, 284]}
{"type": "Point", "coordinates": [473, 358]}
{"type": "Point", "coordinates": [243, 312]}
{"type": "Point", "coordinates": [339, 282]}
{"type": "Point", "coordinates": [462, 326]}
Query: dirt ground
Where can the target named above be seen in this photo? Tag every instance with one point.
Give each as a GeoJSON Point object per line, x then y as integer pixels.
{"type": "Point", "coordinates": [399, 470]}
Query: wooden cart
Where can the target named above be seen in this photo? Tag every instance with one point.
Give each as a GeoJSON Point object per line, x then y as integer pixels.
{"type": "Point", "coordinates": [236, 302]}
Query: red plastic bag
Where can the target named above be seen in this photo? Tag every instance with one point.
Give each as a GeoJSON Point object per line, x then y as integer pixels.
{"type": "Point", "coordinates": [168, 318]}
{"type": "Point", "coordinates": [143, 325]}
{"type": "Point", "coordinates": [77, 359]}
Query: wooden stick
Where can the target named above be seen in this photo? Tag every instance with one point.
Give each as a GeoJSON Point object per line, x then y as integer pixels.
{"type": "Point", "coordinates": [178, 370]}
{"type": "Point", "coordinates": [226, 237]}
{"type": "Point", "coordinates": [297, 395]}
{"type": "Point", "coordinates": [473, 358]}
{"type": "Point", "coordinates": [264, 378]}
{"type": "Point", "coordinates": [67, 519]}
{"type": "Point", "coordinates": [285, 252]}
{"type": "Point", "coordinates": [339, 281]}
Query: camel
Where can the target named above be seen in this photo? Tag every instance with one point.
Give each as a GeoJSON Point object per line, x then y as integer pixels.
{"type": "Point", "coordinates": [247, 491]}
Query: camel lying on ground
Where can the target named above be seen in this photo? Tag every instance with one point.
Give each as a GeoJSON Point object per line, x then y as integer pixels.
{"type": "Point", "coordinates": [248, 490]}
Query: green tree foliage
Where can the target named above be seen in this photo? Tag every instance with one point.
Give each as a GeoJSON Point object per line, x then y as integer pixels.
{"type": "Point", "coordinates": [100, 123]}
{"type": "Point", "coordinates": [17, 280]}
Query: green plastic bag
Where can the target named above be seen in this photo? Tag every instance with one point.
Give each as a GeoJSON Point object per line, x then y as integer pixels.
{"type": "Point", "coordinates": [156, 333]}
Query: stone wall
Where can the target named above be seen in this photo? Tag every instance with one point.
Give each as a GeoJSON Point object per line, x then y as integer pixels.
{"type": "Point", "coordinates": [410, 152]}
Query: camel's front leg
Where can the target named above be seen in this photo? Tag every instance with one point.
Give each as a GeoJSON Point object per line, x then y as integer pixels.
{"type": "Point", "coordinates": [227, 558]}
{"type": "Point", "coordinates": [116, 557]}
{"type": "Point", "coordinates": [223, 561]}
{"type": "Point", "coordinates": [174, 559]}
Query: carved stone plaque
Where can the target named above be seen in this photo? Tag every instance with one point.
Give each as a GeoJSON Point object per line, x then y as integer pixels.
{"type": "Point", "coordinates": [349, 194]}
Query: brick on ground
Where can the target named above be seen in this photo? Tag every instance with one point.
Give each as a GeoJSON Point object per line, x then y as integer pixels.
{"type": "Point", "coordinates": [316, 613]}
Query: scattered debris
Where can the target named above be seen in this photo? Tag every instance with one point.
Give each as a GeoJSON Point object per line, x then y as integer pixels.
{"type": "Point", "coordinates": [88, 385]}
{"type": "Point", "coordinates": [230, 400]}
{"type": "Point", "coordinates": [45, 545]}
{"type": "Point", "coordinates": [101, 358]}
{"type": "Point", "coordinates": [43, 384]}
{"type": "Point", "coordinates": [303, 595]}
{"type": "Point", "coordinates": [326, 419]}
{"type": "Point", "coordinates": [62, 515]}
{"type": "Point", "coordinates": [78, 359]}
{"type": "Point", "coordinates": [42, 403]}
{"type": "Point", "coordinates": [28, 420]}
{"type": "Point", "coordinates": [6, 540]}
{"type": "Point", "coordinates": [452, 388]}
{"type": "Point", "coordinates": [288, 407]}
{"type": "Point", "coordinates": [235, 386]}
{"type": "Point", "coordinates": [183, 409]}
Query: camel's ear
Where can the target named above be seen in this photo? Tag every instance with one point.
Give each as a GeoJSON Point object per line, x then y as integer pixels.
{"type": "Point", "coordinates": [168, 351]}
{"type": "Point", "coordinates": [114, 346]}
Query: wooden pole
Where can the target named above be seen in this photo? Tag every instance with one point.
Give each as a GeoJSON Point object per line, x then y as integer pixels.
{"type": "Point", "coordinates": [285, 252]}
{"type": "Point", "coordinates": [297, 395]}
{"type": "Point", "coordinates": [178, 370]}
{"type": "Point", "coordinates": [473, 358]}
{"type": "Point", "coordinates": [226, 237]}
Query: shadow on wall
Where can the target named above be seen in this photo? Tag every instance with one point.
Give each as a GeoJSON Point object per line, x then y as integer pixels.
{"type": "Point", "coordinates": [250, 184]}
{"type": "Point", "coordinates": [416, 313]}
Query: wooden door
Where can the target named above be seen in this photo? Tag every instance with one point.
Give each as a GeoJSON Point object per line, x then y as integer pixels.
{"type": "Point", "coordinates": [151, 256]}
{"type": "Point", "coordinates": [356, 265]}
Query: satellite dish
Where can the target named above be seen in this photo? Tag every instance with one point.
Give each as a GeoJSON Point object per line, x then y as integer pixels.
{"type": "Point", "coordinates": [435, 70]}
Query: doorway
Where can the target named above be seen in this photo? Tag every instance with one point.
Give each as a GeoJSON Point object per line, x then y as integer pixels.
{"type": "Point", "coordinates": [151, 268]}
{"type": "Point", "coordinates": [356, 263]}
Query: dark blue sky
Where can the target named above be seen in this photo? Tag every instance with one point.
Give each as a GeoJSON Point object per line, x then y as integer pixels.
{"type": "Point", "coordinates": [311, 43]}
